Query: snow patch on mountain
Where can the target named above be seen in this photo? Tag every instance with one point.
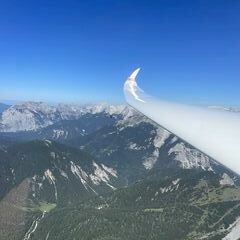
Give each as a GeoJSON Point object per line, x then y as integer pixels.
{"type": "Point", "coordinates": [226, 180]}
{"type": "Point", "coordinates": [47, 143]}
{"type": "Point", "coordinates": [234, 230]}
{"type": "Point", "coordinates": [53, 155]}
{"type": "Point", "coordinates": [175, 182]}
{"type": "Point", "coordinates": [64, 174]}
{"type": "Point", "coordinates": [172, 187]}
{"type": "Point", "coordinates": [149, 162]}
{"type": "Point", "coordinates": [49, 175]}
{"type": "Point", "coordinates": [81, 174]}
{"type": "Point", "coordinates": [99, 174]}
{"type": "Point", "coordinates": [130, 118]}
{"type": "Point", "coordinates": [75, 111]}
{"type": "Point", "coordinates": [161, 136]}
{"type": "Point", "coordinates": [110, 170]}
{"type": "Point", "coordinates": [52, 180]}
{"type": "Point", "coordinates": [134, 146]}
{"type": "Point", "coordinates": [190, 158]}
{"type": "Point", "coordinates": [57, 133]}
{"type": "Point", "coordinates": [102, 174]}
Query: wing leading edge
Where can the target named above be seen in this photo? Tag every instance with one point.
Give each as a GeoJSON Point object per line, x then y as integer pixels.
{"type": "Point", "coordinates": [214, 132]}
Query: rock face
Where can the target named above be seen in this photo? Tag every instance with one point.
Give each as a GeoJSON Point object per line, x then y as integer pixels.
{"type": "Point", "coordinates": [57, 173]}
{"type": "Point", "coordinates": [28, 116]}
{"type": "Point", "coordinates": [35, 115]}
{"type": "Point", "coordinates": [108, 173]}
{"type": "Point", "coordinates": [108, 132]}
{"type": "Point", "coordinates": [226, 180]}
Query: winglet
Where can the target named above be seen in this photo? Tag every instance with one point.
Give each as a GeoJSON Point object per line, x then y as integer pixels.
{"type": "Point", "coordinates": [133, 76]}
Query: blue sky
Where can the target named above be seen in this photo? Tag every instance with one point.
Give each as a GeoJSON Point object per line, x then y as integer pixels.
{"type": "Point", "coordinates": [82, 51]}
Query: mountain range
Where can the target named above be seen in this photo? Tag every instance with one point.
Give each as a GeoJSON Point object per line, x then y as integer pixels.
{"type": "Point", "coordinates": [107, 172]}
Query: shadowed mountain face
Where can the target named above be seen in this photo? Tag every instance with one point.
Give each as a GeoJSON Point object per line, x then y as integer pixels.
{"type": "Point", "coordinates": [58, 173]}
{"type": "Point", "coordinates": [106, 172]}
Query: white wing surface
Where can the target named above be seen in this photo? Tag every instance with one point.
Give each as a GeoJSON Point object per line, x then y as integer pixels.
{"type": "Point", "coordinates": [214, 132]}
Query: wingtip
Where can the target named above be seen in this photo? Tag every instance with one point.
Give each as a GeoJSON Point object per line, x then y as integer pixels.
{"type": "Point", "coordinates": [133, 76]}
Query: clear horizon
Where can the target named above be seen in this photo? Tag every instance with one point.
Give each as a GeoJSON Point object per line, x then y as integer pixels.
{"type": "Point", "coordinates": [15, 102]}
